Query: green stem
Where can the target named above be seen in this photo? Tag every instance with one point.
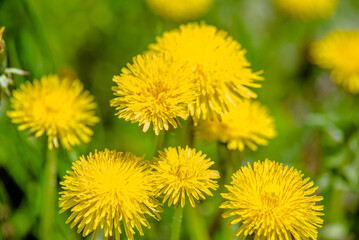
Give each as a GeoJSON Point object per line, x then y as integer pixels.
{"type": "Point", "coordinates": [223, 161]}
{"type": "Point", "coordinates": [159, 142]}
{"type": "Point", "coordinates": [50, 187]}
{"type": "Point", "coordinates": [237, 158]}
{"type": "Point", "coordinates": [334, 211]}
{"type": "Point", "coordinates": [176, 224]}
{"type": "Point", "coordinates": [196, 224]}
{"type": "Point", "coordinates": [190, 133]}
{"type": "Point", "coordinates": [229, 161]}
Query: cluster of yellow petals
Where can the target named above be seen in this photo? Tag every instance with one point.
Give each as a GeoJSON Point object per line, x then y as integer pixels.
{"type": "Point", "coordinates": [218, 61]}
{"type": "Point", "coordinates": [106, 189]}
{"type": "Point", "coordinates": [273, 202]}
{"type": "Point", "coordinates": [338, 52]}
{"type": "Point", "coordinates": [154, 89]}
{"type": "Point", "coordinates": [181, 173]}
{"type": "Point", "coordinates": [59, 107]}
{"type": "Point", "coordinates": [246, 125]}
{"type": "Point", "coordinates": [307, 9]}
{"type": "Point", "coordinates": [180, 10]}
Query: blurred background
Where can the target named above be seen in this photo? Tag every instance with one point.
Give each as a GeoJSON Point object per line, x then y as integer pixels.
{"type": "Point", "coordinates": [317, 121]}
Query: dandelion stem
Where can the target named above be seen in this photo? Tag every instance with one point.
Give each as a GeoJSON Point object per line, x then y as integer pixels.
{"type": "Point", "coordinates": [176, 224]}
{"type": "Point", "coordinates": [334, 212]}
{"type": "Point", "coordinates": [190, 133]}
{"type": "Point", "coordinates": [226, 158]}
{"type": "Point", "coordinates": [160, 142]}
{"type": "Point", "coordinates": [229, 161]}
{"type": "Point", "coordinates": [236, 159]}
{"type": "Point", "coordinates": [223, 161]}
{"type": "Point", "coordinates": [49, 193]}
{"type": "Point", "coordinates": [196, 224]}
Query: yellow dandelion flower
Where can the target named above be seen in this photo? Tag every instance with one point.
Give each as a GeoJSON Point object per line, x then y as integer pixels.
{"type": "Point", "coordinates": [247, 125]}
{"type": "Point", "coordinates": [273, 202]}
{"type": "Point", "coordinates": [56, 106]}
{"type": "Point", "coordinates": [338, 52]}
{"type": "Point", "coordinates": [184, 172]}
{"type": "Point", "coordinates": [154, 89]}
{"type": "Point", "coordinates": [109, 189]}
{"type": "Point", "coordinates": [180, 10]}
{"type": "Point", "coordinates": [307, 9]}
{"type": "Point", "coordinates": [221, 70]}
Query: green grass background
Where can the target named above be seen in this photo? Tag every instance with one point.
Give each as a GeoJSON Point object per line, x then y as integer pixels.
{"type": "Point", "coordinates": [317, 121]}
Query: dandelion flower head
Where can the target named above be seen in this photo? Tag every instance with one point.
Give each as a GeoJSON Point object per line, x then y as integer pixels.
{"type": "Point", "coordinates": [307, 9]}
{"type": "Point", "coordinates": [180, 10]}
{"type": "Point", "coordinates": [273, 202]}
{"type": "Point", "coordinates": [109, 189]}
{"type": "Point", "coordinates": [154, 89]}
{"type": "Point", "coordinates": [246, 125]}
{"type": "Point", "coordinates": [59, 107]}
{"type": "Point", "coordinates": [184, 172]}
{"type": "Point", "coordinates": [338, 52]}
{"type": "Point", "coordinates": [221, 70]}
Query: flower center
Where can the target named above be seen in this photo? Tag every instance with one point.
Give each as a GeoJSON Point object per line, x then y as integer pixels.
{"type": "Point", "coordinates": [49, 110]}
{"type": "Point", "coordinates": [270, 197]}
{"type": "Point", "coordinates": [116, 184]}
{"type": "Point", "coordinates": [183, 173]}
{"type": "Point", "coordinates": [52, 103]}
{"type": "Point", "coordinates": [112, 182]}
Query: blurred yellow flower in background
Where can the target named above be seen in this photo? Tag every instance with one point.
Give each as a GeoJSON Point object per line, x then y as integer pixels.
{"type": "Point", "coordinates": [184, 172]}
{"type": "Point", "coordinates": [338, 52]}
{"type": "Point", "coordinates": [247, 125]}
{"type": "Point", "coordinates": [307, 9]}
{"type": "Point", "coordinates": [221, 70]}
{"type": "Point", "coordinates": [273, 202]}
{"type": "Point", "coordinates": [3, 57]}
{"type": "Point", "coordinates": [59, 107]}
{"type": "Point", "coordinates": [107, 189]}
{"type": "Point", "coordinates": [180, 10]}
{"type": "Point", "coordinates": [154, 89]}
